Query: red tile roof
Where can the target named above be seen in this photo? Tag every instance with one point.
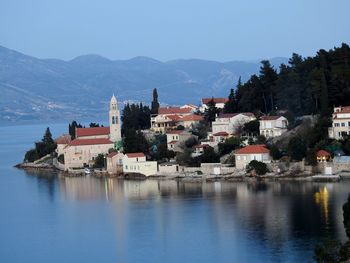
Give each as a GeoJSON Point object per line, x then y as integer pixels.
{"type": "Point", "coordinates": [81, 132]}
{"type": "Point", "coordinates": [134, 155]}
{"type": "Point", "coordinates": [175, 132]}
{"type": "Point", "coordinates": [174, 117]}
{"type": "Point", "coordinates": [323, 153]}
{"type": "Point", "coordinates": [216, 100]}
{"type": "Point", "coordinates": [192, 117]}
{"type": "Point", "coordinates": [174, 110]}
{"type": "Point", "coordinates": [269, 118]}
{"type": "Point", "coordinates": [220, 134]}
{"type": "Point", "coordinates": [201, 146]}
{"type": "Point", "coordinates": [230, 115]}
{"type": "Point", "coordinates": [112, 154]}
{"type": "Point", "coordinates": [64, 139]}
{"type": "Point", "coordinates": [251, 149]}
{"type": "Point", "coordinates": [78, 142]}
{"type": "Point", "coordinates": [345, 109]}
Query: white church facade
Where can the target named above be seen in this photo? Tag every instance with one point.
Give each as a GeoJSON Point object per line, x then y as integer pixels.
{"type": "Point", "coordinates": [90, 142]}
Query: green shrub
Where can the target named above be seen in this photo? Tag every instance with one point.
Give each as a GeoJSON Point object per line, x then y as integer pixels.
{"type": "Point", "coordinates": [259, 167]}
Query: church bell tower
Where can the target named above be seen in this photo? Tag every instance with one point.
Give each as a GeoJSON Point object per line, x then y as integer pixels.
{"type": "Point", "coordinates": [114, 121]}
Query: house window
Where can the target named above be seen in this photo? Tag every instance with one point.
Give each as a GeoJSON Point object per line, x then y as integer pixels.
{"type": "Point", "coordinates": [126, 167]}
{"type": "Point", "coordinates": [349, 123]}
{"type": "Point", "coordinates": [343, 124]}
{"type": "Point", "coordinates": [336, 124]}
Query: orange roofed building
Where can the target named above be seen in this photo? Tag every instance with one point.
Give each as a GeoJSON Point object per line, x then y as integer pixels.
{"type": "Point", "coordinates": [257, 152]}
{"type": "Point", "coordinates": [168, 118]}
{"type": "Point", "coordinates": [90, 142]}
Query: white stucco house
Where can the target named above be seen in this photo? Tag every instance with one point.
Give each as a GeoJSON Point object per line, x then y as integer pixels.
{"type": "Point", "coordinates": [340, 123]}
{"type": "Point", "coordinates": [273, 126]}
{"type": "Point", "coordinates": [219, 103]}
{"type": "Point", "coordinates": [232, 123]}
{"type": "Point", "coordinates": [136, 163]}
{"type": "Point", "coordinates": [249, 153]}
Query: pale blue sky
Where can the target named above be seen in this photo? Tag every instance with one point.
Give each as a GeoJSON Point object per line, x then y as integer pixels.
{"type": "Point", "coordinates": [168, 29]}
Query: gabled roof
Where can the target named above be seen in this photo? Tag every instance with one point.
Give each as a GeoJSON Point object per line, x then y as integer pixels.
{"type": "Point", "coordinates": [344, 109]}
{"type": "Point", "coordinates": [174, 117]}
{"type": "Point", "coordinates": [81, 132]}
{"type": "Point", "coordinates": [174, 110]}
{"type": "Point", "coordinates": [323, 153]}
{"type": "Point", "coordinates": [112, 154]}
{"type": "Point", "coordinates": [79, 142]}
{"type": "Point", "coordinates": [175, 132]}
{"type": "Point", "coordinates": [134, 155]}
{"type": "Point", "coordinates": [251, 149]}
{"type": "Point", "coordinates": [270, 118]}
{"type": "Point", "coordinates": [220, 134]}
{"type": "Point", "coordinates": [201, 146]}
{"type": "Point", "coordinates": [216, 100]}
{"type": "Point", "coordinates": [64, 139]}
{"type": "Point", "coordinates": [192, 117]}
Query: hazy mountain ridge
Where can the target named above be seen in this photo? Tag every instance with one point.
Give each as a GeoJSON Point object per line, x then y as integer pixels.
{"type": "Point", "coordinates": [52, 89]}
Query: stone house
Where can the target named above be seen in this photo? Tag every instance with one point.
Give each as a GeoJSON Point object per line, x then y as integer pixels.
{"type": "Point", "coordinates": [249, 153]}
{"type": "Point", "coordinates": [136, 163]}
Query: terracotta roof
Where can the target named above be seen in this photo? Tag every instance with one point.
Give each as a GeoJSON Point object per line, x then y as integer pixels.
{"type": "Point", "coordinates": [172, 142]}
{"type": "Point", "coordinates": [78, 142]}
{"type": "Point", "coordinates": [175, 132]}
{"type": "Point", "coordinates": [220, 134]}
{"type": "Point", "coordinates": [174, 117]}
{"type": "Point", "coordinates": [216, 100]}
{"type": "Point", "coordinates": [250, 149]}
{"type": "Point", "coordinates": [64, 139]}
{"type": "Point", "coordinates": [345, 109]}
{"type": "Point", "coordinates": [201, 146]}
{"type": "Point", "coordinates": [174, 110]}
{"type": "Point", "coordinates": [269, 118]}
{"type": "Point", "coordinates": [192, 117]}
{"type": "Point", "coordinates": [110, 155]}
{"type": "Point", "coordinates": [323, 153]}
{"type": "Point", "coordinates": [134, 155]}
{"type": "Point", "coordinates": [81, 132]}
{"type": "Point", "coordinates": [189, 105]}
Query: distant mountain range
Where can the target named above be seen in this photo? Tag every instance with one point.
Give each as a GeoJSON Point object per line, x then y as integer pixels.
{"type": "Point", "coordinates": [35, 89]}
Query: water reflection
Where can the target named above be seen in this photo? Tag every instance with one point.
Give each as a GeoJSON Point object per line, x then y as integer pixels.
{"type": "Point", "coordinates": [274, 216]}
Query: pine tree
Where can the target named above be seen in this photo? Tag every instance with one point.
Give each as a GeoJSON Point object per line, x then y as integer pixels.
{"type": "Point", "coordinates": [155, 103]}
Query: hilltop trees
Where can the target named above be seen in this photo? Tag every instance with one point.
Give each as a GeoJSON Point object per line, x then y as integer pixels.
{"type": "Point", "coordinates": [136, 116]}
{"type": "Point", "coordinates": [72, 127]}
{"type": "Point", "coordinates": [305, 86]}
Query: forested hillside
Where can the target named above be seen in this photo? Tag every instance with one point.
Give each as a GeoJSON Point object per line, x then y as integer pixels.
{"type": "Point", "coordinates": [304, 86]}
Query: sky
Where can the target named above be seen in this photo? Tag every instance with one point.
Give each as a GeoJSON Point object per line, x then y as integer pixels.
{"type": "Point", "coordinates": [221, 30]}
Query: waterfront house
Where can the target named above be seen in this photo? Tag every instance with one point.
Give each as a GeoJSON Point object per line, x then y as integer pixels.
{"type": "Point", "coordinates": [115, 162]}
{"type": "Point", "coordinates": [62, 142]}
{"type": "Point", "coordinates": [340, 123]}
{"type": "Point", "coordinates": [272, 126]}
{"type": "Point", "coordinates": [219, 103]}
{"type": "Point", "coordinates": [232, 123]}
{"type": "Point", "coordinates": [90, 142]}
{"type": "Point", "coordinates": [168, 168]}
{"type": "Point", "coordinates": [249, 153]}
{"type": "Point", "coordinates": [323, 156]}
{"type": "Point", "coordinates": [80, 153]}
{"type": "Point", "coordinates": [136, 163]}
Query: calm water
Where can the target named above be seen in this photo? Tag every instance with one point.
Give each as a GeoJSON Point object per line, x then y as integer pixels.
{"type": "Point", "coordinates": [46, 218]}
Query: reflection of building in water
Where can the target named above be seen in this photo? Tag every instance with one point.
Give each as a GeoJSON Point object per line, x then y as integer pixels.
{"type": "Point", "coordinates": [322, 199]}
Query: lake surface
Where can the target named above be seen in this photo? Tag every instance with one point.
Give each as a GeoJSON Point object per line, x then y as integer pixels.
{"type": "Point", "coordinates": [47, 218]}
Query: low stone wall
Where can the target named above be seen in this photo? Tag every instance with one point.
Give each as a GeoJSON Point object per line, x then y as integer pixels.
{"type": "Point", "coordinates": [209, 169]}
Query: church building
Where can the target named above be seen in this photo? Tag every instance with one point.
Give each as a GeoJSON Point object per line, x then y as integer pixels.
{"type": "Point", "coordinates": [90, 142]}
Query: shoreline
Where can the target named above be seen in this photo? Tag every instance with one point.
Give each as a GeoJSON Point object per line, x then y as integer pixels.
{"type": "Point", "coordinates": [181, 176]}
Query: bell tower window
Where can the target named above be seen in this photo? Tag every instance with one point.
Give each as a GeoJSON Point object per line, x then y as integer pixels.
{"type": "Point", "coordinates": [113, 120]}
{"type": "Point", "coordinates": [116, 119]}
